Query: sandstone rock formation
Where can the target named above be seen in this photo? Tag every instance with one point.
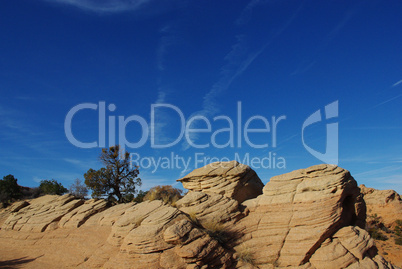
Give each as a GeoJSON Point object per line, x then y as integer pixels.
{"type": "Point", "coordinates": [41, 213]}
{"type": "Point", "coordinates": [231, 179]}
{"type": "Point", "coordinates": [293, 223]}
{"type": "Point", "coordinates": [309, 218]}
{"type": "Point", "coordinates": [145, 235]}
{"type": "Point", "coordinates": [386, 203]}
{"type": "Point", "coordinates": [210, 207]}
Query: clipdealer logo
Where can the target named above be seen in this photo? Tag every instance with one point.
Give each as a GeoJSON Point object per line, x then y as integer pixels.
{"type": "Point", "coordinates": [238, 132]}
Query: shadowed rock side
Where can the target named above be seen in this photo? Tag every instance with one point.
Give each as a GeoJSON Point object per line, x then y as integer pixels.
{"type": "Point", "coordinates": [309, 218]}
{"type": "Point", "coordinates": [231, 179]}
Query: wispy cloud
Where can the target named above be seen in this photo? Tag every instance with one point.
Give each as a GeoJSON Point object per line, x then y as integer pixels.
{"type": "Point", "coordinates": [387, 101]}
{"type": "Point", "coordinates": [341, 24]}
{"type": "Point", "coordinates": [82, 164]}
{"type": "Point", "coordinates": [247, 12]}
{"type": "Point", "coordinates": [160, 121]}
{"type": "Point", "coordinates": [57, 175]}
{"type": "Point", "coordinates": [149, 180]}
{"type": "Point", "coordinates": [383, 178]}
{"type": "Point", "coordinates": [397, 83]}
{"type": "Point", "coordinates": [237, 62]}
{"type": "Point", "coordinates": [167, 39]}
{"type": "Point", "coordinates": [105, 6]}
{"type": "Point", "coordinates": [303, 67]}
{"type": "Point", "coordinates": [307, 64]}
{"type": "Point", "coordinates": [380, 171]}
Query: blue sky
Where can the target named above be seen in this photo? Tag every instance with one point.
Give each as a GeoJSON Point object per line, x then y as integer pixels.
{"type": "Point", "coordinates": [274, 58]}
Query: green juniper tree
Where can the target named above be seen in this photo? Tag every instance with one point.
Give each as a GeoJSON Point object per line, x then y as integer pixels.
{"type": "Point", "coordinates": [51, 187]}
{"type": "Point", "coordinates": [117, 180]}
{"type": "Point", "coordinates": [9, 189]}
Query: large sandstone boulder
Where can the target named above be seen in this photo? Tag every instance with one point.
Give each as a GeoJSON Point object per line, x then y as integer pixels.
{"type": "Point", "coordinates": [298, 213]}
{"type": "Point", "coordinates": [231, 179]}
{"type": "Point", "coordinates": [154, 235]}
{"type": "Point", "coordinates": [145, 235]}
{"type": "Point", "coordinates": [387, 204]}
{"type": "Point", "coordinates": [76, 217]}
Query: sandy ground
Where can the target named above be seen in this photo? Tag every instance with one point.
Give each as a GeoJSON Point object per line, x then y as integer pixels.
{"type": "Point", "coordinates": [390, 251]}
{"type": "Point", "coordinates": [61, 248]}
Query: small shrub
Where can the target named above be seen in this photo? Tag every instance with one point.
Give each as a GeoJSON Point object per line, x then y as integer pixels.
{"type": "Point", "coordinates": [398, 240]}
{"type": "Point", "coordinates": [376, 234]}
{"type": "Point", "coordinates": [167, 194]}
{"type": "Point", "coordinates": [216, 230]}
{"type": "Point", "coordinates": [52, 187]}
{"type": "Point", "coordinates": [385, 229]}
{"type": "Point", "coordinates": [9, 189]}
{"type": "Point", "coordinates": [398, 229]}
{"type": "Point", "coordinates": [245, 255]}
{"type": "Point", "coordinates": [78, 189]}
{"type": "Point", "coordinates": [30, 193]}
{"type": "Point", "coordinates": [192, 214]}
{"type": "Point", "coordinates": [374, 219]}
{"type": "Point", "coordinates": [140, 196]}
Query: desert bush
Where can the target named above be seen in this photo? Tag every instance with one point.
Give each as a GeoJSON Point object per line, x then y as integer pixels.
{"type": "Point", "coordinates": [398, 227]}
{"type": "Point", "coordinates": [166, 193]}
{"type": "Point", "coordinates": [216, 230]}
{"type": "Point", "coordinates": [192, 214]}
{"type": "Point", "coordinates": [78, 189]}
{"type": "Point", "coordinates": [398, 232]}
{"type": "Point", "coordinates": [375, 226]}
{"type": "Point", "coordinates": [374, 217]}
{"type": "Point", "coordinates": [139, 198]}
{"type": "Point", "coordinates": [9, 189]}
{"type": "Point", "coordinates": [51, 187]}
{"type": "Point", "coordinates": [245, 255]}
{"type": "Point", "coordinates": [376, 234]}
{"type": "Point", "coordinates": [30, 193]}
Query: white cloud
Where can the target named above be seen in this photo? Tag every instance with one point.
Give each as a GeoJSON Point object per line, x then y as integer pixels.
{"type": "Point", "coordinates": [397, 83]}
{"type": "Point", "coordinates": [148, 181]}
{"type": "Point", "coordinates": [237, 61]}
{"type": "Point", "coordinates": [387, 101]}
{"type": "Point", "coordinates": [167, 39]}
{"type": "Point", "coordinates": [161, 120]}
{"type": "Point", "coordinates": [105, 6]}
{"type": "Point", "coordinates": [376, 172]}
{"type": "Point", "coordinates": [246, 14]}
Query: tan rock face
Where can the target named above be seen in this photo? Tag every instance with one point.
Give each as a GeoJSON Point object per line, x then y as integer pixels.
{"type": "Point", "coordinates": [385, 203]}
{"type": "Point", "coordinates": [230, 179]}
{"type": "Point", "coordinates": [41, 213]}
{"type": "Point", "coordinates": [209, 207]}
{"type": "Point", "coordinates": [145, 235]}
